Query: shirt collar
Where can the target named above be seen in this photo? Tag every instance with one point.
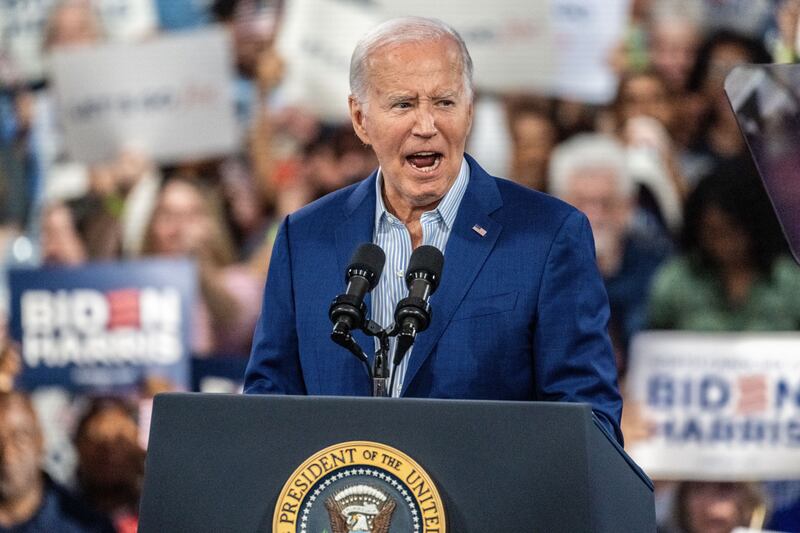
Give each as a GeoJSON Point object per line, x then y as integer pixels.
{"type": "Point", "coordinates": [447, 208]}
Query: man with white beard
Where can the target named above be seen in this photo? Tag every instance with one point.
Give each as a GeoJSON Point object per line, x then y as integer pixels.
{"type": "Point", "coordinates": [591, 172]}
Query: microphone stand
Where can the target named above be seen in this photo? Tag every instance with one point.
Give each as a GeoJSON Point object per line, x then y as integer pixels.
{"type": "Point", "coordinates": [380, 369]}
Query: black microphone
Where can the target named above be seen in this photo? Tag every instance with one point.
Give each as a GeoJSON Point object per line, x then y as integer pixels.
{"type": "Point", "coordinates": [348, 310]}
{"type": "Point", "coordinates": [413, 313]}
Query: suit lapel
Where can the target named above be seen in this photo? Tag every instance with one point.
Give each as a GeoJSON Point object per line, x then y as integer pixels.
{"type": "Point", "coordinates": [355, 230]}
{"type": "Point", "coordinates": [465, 254]}
{"type": "Point", "coordinates": [359, 221]}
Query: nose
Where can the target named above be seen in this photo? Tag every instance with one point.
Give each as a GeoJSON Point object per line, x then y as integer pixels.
{"type": "Point", "coordinates": [424, 122]}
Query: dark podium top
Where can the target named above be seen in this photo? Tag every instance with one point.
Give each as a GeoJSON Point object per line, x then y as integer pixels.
{"type": "Point", "coordinates": [219, 462]}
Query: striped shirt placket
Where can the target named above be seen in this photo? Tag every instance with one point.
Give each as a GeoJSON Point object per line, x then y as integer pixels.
{"type": "Point", "coordinates": [393, 237]}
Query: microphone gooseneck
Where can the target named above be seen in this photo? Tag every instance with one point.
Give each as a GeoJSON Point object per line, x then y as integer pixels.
{"type": "Point", "coordinates": [413, 313]}
{"type": "Point", "coordinates": [348, 311]}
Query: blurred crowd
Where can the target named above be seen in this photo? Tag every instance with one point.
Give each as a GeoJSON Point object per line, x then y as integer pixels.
{"type": "Point", "coordinates": [685, 235]}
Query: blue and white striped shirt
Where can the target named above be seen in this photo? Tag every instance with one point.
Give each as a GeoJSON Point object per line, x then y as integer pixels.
{"type": "Point", "coordinates": [395, 240]}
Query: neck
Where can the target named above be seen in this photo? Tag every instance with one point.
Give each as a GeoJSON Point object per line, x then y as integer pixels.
{"type": "Point", "coordinates": [609, 261]}
{"type": "Point", "coordinates": [405, 213]}
{"type": "Point", "coordinates": [738, 279]}
{"type": "Point", "coordinates": [18, 510]}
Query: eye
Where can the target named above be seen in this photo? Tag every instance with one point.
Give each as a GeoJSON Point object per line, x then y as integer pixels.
{"type": "Point", "coordinates": [401, 105]}
{"type": "Point", "coordinates": [446, 103]}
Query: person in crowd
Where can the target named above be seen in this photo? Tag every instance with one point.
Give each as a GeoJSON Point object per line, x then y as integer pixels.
{"type": "Point", "coordinates": [70, 24]}
{"type": "Point", "coordinates": [675, 30]}
{"type": "Point", "coordinates": [187, 222]}
{"type": "Point", "coordinates": [644, 93]}
{"type": "Point", "coordinates": [110, 465]}
{"type": "Point", "coordinates": [61, 243]}
{"type": "Point", "coordinates": [519, 273]}
{"type": "Point", "coordinates": [251, 26]}
{"type": "Point", "coordinates": [10, 360]}
{"type": "Point", "coordinates": [733, 273]}
{"type": "Point", "coordinates": [645, 119]}
{"type": "Point", "coordinates": [719, 138]}
{"type": "Point", "coordinates": [534, 135]}
{"type": "Point", "coordinates": [30, 501]}
{"type": "Point", "coordinates": [716, 507]}
{"type": "Point", "coordinates": [590, 172]}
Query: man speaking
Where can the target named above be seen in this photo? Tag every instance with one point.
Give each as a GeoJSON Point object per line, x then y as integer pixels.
{"type": "Point", "coordinates": [520, 312]}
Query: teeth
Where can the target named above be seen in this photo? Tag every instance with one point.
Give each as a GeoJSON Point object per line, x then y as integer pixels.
{"type": "Point", "coordinates": [431, 168]}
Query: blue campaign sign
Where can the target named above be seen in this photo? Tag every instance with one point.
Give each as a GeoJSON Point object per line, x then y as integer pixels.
{"type": "Point", "coordinates": [104, 326]}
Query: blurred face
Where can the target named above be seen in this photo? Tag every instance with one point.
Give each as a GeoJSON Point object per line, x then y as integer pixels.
{"type": "Point", "coordinates": [534, 138]}
{"type": "Point", "coordinates": [20, 451]}
{"type": "Point", "coordinates": [181, 223]}
{"type": "Point", "coordinates": [61, 244]}
{"type": "Point", "coordinates": [416, 117]}
{"type": "Point", "coordinates": [723, 59]}
{"type": "Point", "coordinates": [673, 51]}
{"type": "Point", "coordinates": [646, 95]}
{"type": "Point", "coordinates": [74, 24]}
{"type": "Point", "coordinates": [108, 449]}
{"type": "Point", "coordinates": [716, 507]}
{"type": "Point", "coordinates": [596, 193]}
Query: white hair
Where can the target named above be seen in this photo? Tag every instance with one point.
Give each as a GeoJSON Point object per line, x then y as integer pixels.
{"type": "Point", "coordinates": [403, 30]}
{"type": "Point", "coordinates": [589, 152]}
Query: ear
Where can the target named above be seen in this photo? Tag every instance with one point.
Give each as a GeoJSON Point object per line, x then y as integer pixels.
{"type": "Point", "coordinates": [470, 114]}
{"type": "Point", "coordinates": [358, 117]}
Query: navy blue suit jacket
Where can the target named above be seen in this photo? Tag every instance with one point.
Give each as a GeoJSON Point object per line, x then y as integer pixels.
{"type": "Point", "coordinates": [520, 313]}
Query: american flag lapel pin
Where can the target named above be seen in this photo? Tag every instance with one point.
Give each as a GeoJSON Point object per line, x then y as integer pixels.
{"type": "Point", "coordinates": [479, 230]}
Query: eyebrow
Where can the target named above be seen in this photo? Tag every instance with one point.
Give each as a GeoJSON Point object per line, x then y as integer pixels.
{"type": "Point", "coordinates": [402, 97]}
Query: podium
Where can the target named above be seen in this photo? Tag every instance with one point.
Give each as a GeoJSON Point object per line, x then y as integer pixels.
{"type": "Point", "coordinates": [221, 462]}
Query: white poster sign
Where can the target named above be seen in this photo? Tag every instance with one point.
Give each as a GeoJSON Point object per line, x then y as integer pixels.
{"type": "Point", "coordinates": [510, 41]}
{"type": "Point", "coordinates": [316, 39]}
{"type": "Point", "coordinates": [585, 34]}
{"type": "Point", "coordinates": [22, 27]}
{"type": "Point", "coordinates": [170, 98]}
{"type": "Point", "coordinates": [551, 47]}
{"type": "Point", "coordinates": [719, 406]}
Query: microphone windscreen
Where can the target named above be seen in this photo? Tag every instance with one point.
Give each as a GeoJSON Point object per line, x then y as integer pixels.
{"type": "Point", "coordinates": [426, 259]}
{"type": "Point", "coordinates": [371, 258]}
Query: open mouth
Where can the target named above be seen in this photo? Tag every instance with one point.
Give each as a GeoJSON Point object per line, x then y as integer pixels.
{"type": "Point", "coordinates": [425, 161]}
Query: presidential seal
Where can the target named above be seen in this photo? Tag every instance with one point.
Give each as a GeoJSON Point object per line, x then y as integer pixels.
{"type": "Point", "coordinates": [359, 487]}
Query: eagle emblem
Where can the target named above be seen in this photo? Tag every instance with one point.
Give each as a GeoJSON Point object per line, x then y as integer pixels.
{"type": "Point", "coordinates": [360, 509]}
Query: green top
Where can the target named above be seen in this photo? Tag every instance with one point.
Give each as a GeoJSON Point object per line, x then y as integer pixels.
{"type": "Point", "coordinates": [683, 299]}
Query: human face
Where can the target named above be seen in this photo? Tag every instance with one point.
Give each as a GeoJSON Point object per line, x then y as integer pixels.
{"type": "Point", "coordinates": [181, 224]}
{"type": "Point", "coordinates": [716, 507]}
{"type": "Point", "coordinates": [416, 116]}
{"type": "Point", "coordinates": [596, 193]}
{"type": "Point", "coordinates": [108, 449]}
{"type": "Point", "coordinates": [20, 451]}
{"type": "Point", "coordinates": [61, 244]}
{"type": "Point", "coordinates": [673, 51]}
{"type": "Point", "coordinates": [534, 139]}
{"type": "Point", "coordinates": [74, 25]}
{"type": "Point", "coordinates": [645, 95]}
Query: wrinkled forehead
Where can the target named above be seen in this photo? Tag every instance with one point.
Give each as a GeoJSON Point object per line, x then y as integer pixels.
{"type": "Point", "coordinates": [394, 60]}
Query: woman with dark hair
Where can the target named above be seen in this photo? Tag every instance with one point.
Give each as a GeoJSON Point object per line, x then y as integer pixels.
{"type": "Point", "coordinates": [110, 467]}
{"type": "Point", "coordinates": [733, 274]}
{"type": "Point", "coordinates": [713, 135]}
{"type": "Point", "coordinates": [188, 222]}
{"type": "Point", "coordinates": [717, 507]}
